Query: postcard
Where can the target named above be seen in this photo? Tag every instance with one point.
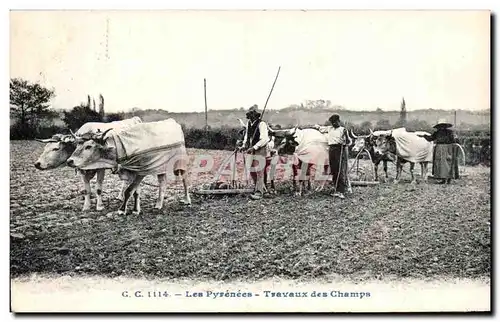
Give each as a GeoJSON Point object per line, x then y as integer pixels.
{"type": "Point", "coordinates": [250, 161]}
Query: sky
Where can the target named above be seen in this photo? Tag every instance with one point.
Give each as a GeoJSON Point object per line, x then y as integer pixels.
{"type": "Point", "coordinates": [361, 60]}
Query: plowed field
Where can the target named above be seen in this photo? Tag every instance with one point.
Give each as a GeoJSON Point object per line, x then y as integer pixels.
{"type": "Point", "coordinates": [427, 230]}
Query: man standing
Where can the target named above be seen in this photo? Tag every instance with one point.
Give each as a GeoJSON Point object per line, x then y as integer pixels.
{"type": "Point", "coordinates": [337, 154]}
{"type": "Point", "coordinates": [255, 142]}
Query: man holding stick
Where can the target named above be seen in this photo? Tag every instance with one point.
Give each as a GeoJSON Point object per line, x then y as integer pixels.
{"type": "Point", "coordinates": [255, 142]}
{"type": "Point", "coordinates": [337, 154]}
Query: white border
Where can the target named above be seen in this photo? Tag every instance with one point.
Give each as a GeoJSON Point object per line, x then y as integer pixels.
{"type": "Point", "coordinates": [189, 4]}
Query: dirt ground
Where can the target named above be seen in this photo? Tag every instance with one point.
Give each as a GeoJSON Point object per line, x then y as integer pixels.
{"type": "Point", "coordinates": [378, 232]}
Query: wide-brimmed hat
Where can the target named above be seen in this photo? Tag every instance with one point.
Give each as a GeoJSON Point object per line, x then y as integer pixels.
{"type": "Point", "coordinates": [442, 123]}
{"type": "Point", "coordinates": [334, 117]}
{"type": "Point", "coordinates": [253, 110]}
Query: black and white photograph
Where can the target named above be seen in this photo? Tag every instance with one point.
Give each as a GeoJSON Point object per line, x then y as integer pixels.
{"type": "Point", "coordinates": [250, 161]}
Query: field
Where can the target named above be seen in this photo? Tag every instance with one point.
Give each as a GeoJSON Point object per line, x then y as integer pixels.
{"type": "Point", "coordinates": [384, 231]}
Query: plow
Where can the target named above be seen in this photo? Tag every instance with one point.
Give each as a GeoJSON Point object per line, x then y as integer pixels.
{"type": "Point", "coordinates": [232, 186]}
{"type": "Point", "coordinates": [231, 182]}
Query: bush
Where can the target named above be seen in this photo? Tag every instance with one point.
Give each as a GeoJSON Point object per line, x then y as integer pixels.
{"type": "Point", "coordinates": [80, 115]}
{"type": "Point", "coordinates": [20, 132]}
{"type": "Point", "coordinates": [111, 117]}
{"type": "Point", "coordinates": [214, 138]}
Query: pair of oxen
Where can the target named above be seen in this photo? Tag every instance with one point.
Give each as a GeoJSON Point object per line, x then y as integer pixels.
{"type": "Point", "coordinates": [380, 145]}
{"type": "Point", "coordinates": [91, 144]}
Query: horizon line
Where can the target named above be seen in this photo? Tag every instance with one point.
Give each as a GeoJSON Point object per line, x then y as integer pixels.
{"type": "Point", "coordinates": [488, 110]}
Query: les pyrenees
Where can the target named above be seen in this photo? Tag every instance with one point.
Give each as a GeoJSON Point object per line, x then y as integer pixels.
{"type": "Point", "coordinates": [279, 294]}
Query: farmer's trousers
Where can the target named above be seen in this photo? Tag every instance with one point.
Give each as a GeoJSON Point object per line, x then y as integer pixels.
{"type": "Point", "coordinates": [258, 166]}
{"type": "Point", "coordinates": [338, 166]}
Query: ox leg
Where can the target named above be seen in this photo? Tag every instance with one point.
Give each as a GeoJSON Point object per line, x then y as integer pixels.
{"type": "Point", "coordinates": [412, 168]}
{"type": "Point", "coordinates": [121, 194]}
{"type": "Point", "coordinates": [187, 197]}
{"type": "Point", "coordinates": [376, 170]}
{"type": "Point", "coordinates": [161, 191]}
{"type": "Point", "coordinates": [385, 170]}
{"type": "Point", "coordinates": [272, 174]}
{"type": "Point", "coordinates": [87, 176]}
{"type": "Point", "coordinates": [100, 179]}
{"type": "Point", "coordinates": [302, 185]}
{"type": "Point", "coordinates": [128, 192]}
{"type": "Point", "coordinates": [399, 167]}
{"type": "Point", "coordinates": [295, 174]}
{"type": "Point", "coordinates": [424, 168]}
{"type": "Point", "coordinates": [137, 201]}
{"type": "Point", "coordinates": [265, 176]}
{"type": "Point", "coordinates": [323, 182]}
{"type": "Point", "coordinates": [348, 183]}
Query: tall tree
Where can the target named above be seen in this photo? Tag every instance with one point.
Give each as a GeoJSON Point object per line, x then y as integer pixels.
{"type": "Point", "coordinates": [403, 114]}
{"type": "Point", "coordinates": [101, 105]}
{"type": "Point", "coordinates": [29, 103]}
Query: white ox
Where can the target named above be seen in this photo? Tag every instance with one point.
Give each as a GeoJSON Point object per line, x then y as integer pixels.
{"type": "Point", "coordinates": [310, 148]}
{"type": "Point", "coordinates": [153, 148]}
{"type": "Point", "coordinates": [408, 147]}
{"type": "Point", "coordinates": [59, 148]}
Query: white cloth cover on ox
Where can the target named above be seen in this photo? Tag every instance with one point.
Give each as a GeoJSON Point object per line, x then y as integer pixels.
{"type": "Point", "coordinates": [312, 148]}
{"type": "Point", "coordinates": [411, 147]}
{"type": "Point", "coordinates": [93, 127]}
{"type": "Point", "coordinates": [150, 148]}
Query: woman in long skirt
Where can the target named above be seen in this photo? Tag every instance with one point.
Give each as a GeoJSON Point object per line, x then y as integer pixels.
{"type": "Point", "coordinates": [445, 157]}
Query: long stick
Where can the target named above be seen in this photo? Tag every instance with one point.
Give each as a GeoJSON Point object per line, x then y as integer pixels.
{"type": "Point", "coordinates": [206, 112]}
{"type": "Point", "coordinates": [264, 109]}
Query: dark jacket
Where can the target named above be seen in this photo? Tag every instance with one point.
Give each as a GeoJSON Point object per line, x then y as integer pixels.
{"type": "Point", "coordinates": [442, 136]}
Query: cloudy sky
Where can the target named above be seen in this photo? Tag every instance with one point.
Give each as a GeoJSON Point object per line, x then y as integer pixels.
{"type": "Point", "coordinates": [158, 59]}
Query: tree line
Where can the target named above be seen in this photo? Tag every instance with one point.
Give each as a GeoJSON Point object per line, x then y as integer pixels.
{"type": "Point", "coordinates": [30, 110]}
{"type": "Point", "coordinates": [33, 117]}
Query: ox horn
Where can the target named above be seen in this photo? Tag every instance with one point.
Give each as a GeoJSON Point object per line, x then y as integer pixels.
{"type": "Point", "coordinates": [72, 134]}
{"type": "Point", "coordinates": [371, 132]}
{"type": "Point", "coordinates": [242, 123]}
{"type": "Point", "coordinates": [280, 133]}
{"type": "Point", "coordinates": [51, 140]}
{"type": "Point", "coordinates": [353, 135]}
{"type": "Point", "coordinates": [103, 135]}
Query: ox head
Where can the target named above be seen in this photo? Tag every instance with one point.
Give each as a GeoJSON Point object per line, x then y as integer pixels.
{"type": "Point", "coordinates": [286, 141]}
{"type": "Point", "coordinates": [90, 149]}
{"type": "Point", "coordinates": [384, 144]}
{"type": "Point", "coordinates": [271, 146]}
{"type": "Point", "coordinates": [57, 150]}
{"type": "Point", "coordinates": [362, 141]}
